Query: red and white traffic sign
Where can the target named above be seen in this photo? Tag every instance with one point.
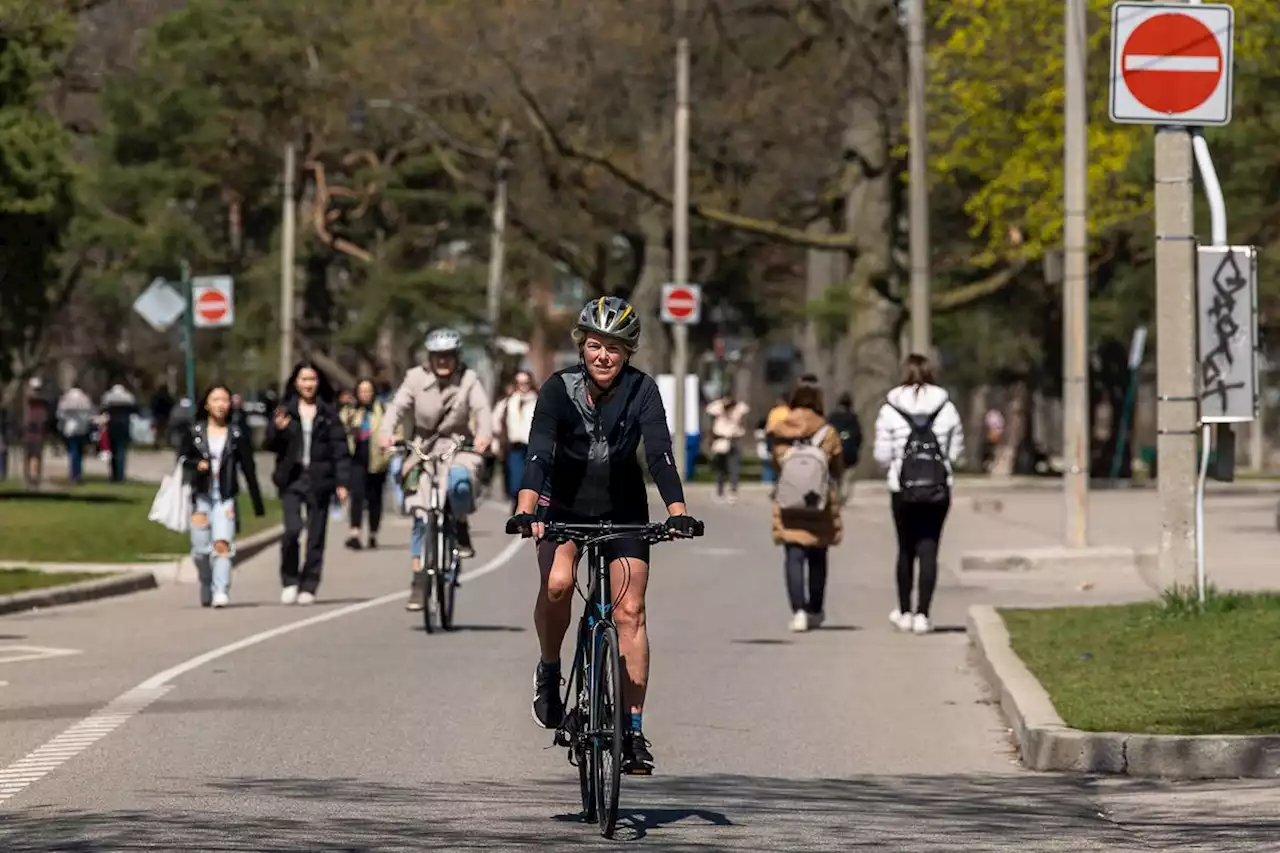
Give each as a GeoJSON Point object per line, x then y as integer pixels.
{"type": "Point", "coordinates": [681, 303]}
{"type": "Point", "coordinates": [214, 301]}
{"type": "Point", "coordinates": [1171, 63]}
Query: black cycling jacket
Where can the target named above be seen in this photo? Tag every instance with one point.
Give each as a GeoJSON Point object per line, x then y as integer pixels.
{"type": "Point", "coordinates": [585, 457]}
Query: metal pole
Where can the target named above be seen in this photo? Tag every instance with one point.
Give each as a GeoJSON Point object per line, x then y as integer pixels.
{"type": "Point", "coordinates": [918, 169]}
{"type": "Point", "coordinates": [289, 221]}
{"type": "Point", "coordinates": [189, 333]}
{"type": "Point", "coordinates": [497, 252]}
{"type": "Point", "coordinates": [1075, 285]}
{"type": "Point", "coordinates": [680, 225]}
{"type": "Point", "coordinates": [1177, 408]}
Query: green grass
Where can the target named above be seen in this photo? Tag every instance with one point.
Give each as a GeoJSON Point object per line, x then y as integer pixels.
{"type": "Point", "coordinates": [751, 470]}
{"type": "Point", "coordinates": [21, 580]}
{"type": "Point", "coordinates": [98, 522]}
{"type": "Point", "coordinates": [1170, 667]}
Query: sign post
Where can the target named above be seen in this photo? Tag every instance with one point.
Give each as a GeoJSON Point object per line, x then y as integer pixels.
{"type": "Point", "coordinates": [1171, 66]}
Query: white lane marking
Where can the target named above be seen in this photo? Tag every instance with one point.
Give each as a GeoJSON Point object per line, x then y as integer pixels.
{"type": "Point", "coordinates": [14, 654]}
{"type": "Point", "coordinates": [75, 740]}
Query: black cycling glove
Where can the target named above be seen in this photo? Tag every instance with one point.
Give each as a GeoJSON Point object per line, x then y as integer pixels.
{"type": "Point", "coordinates": [522, 523]}
{"type": "Point", "coordinates": [685, 525]}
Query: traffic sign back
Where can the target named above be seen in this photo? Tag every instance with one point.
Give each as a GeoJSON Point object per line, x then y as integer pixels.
{"type": "Point", "coordinates": [1171, 63]}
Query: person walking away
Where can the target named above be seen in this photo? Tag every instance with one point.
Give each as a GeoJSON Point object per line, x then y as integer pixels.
{"type": "Point", "coordinates": [35, 432]}
{"type": "Point", "coordinates": [513, 420]}
{"type": "Point", "coordinates": [312, 468]}
{"type": "Point", "coordinates": [162, 404]}
{"type": "Point", "coordinates": [845, 421]}
{"type": "Point", "coordinates": [728, 426]}
{"type": "Point", "coordinates": [369, 463]}
{"type": "Point", "coordinates": [919, 436]}
{"type": "Point", "coordinates": [75, 415]}
{"type": "Point", "coordinates": [806, 513]}
{"type": "Point", "coordinates": [119, 405]}
{"type": "Point", "coordinates": [215, 451]}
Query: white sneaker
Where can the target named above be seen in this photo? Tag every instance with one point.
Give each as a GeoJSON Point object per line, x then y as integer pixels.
{"type": "Point", "coordinates": [305, 598]}
{"type": "Point", "coordinates": [920, 624]}
{"type": "Point", "coordinates": [221, 599]}
{"type": "Point", "coordinates": [732, 498]}
{"type": "Point", "coordinates": [289, 595]}
{"type": "Point", "coordinates": [800, 622]}
{"type": "Point", "coordinates": [816, 619]}
{"type": "Point", "coordinates": [900, 620]}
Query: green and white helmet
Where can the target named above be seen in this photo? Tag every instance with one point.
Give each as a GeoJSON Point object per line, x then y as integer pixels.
{"type": "Point", "coordinates": [612, 317]}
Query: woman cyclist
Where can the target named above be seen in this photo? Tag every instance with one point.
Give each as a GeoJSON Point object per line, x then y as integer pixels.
{"type": "Point", "coordinates": [582, 468]}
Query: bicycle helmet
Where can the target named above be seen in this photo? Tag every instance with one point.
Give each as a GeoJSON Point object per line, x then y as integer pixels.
{"type": "Point", "coordinates": [444, 340]}
{"type": "Point", "coordinates": [612, 317]}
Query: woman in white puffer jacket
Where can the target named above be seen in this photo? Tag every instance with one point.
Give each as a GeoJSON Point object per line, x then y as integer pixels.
{"type": "Point", "coordinates": [919, 515]}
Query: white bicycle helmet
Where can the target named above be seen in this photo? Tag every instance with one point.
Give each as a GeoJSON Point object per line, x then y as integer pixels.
{"type": "Point", "coordinates": [444, 340]}
{"type": "Point", "coordinates": [612, 317]}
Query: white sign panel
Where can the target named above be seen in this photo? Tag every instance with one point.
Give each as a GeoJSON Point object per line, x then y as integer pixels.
{"type": "Point", "coordinates": [1227, 333]}
{"type": "Point", "coordinates": [213, 300]}
{"type": "Point", "coordinates": [160, 305]}
{"type": "Point", "coordinates": [1171, 63]}
{"type": "Point", "coordinates": [692, 408]}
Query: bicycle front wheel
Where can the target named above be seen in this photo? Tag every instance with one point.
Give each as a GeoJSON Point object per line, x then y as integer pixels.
{"type": "Point", "coordinates": [606, 727]}
{"type": "Point", "coordinates": [446, 590]}
{"type": "Point", "coordinates": [430, 556]}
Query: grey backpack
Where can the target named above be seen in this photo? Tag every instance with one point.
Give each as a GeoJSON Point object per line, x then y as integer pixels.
{"type": "Point", "coordinates": [804, 479]}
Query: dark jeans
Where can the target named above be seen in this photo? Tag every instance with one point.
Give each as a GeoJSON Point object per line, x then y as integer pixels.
{"type": "Point", "coordinates": [367, 489]}
{"type": "Point", "coordinates": [297, 497]}
{"type": "Point", "coordinates": [118, 439]}
{"type": "Point", "coordinates": [728, 467]}
{"type": "Point", "coordinates": [516, 456]}
{"type": "Point", "coordinates": [75, 459]}
{"type": "Point", "coordinates": [919, 529]}
{"type": "Point", "coordinates": [796, 558]}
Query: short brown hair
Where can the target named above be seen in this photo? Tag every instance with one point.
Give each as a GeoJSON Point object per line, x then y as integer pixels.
{"type": "Point", "coordinates": [807, 395]}
{"type": "Point", "coordinates": [917, 370]}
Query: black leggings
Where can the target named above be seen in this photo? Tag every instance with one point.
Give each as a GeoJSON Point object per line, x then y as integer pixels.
{"type": "Point", "coordinates": [796, 557]}
{"type": "Point", "coordinates": [367, 489]}
{"type": "Point", "coordinates": [919, 528]}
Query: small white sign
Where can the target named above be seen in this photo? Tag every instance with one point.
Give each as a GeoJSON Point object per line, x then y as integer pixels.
{"type": "Point", "coordinates": [160, 305]}
{"type": "Point", "coordinates": [1171, 63]}
{"type": "Point", "coordinates": [213, 301]}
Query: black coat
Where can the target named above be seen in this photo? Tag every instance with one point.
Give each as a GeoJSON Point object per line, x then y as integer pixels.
{"type": "Point", "coordinates": [330, 459]}
{"type": "Point", "coordinates": [237, 458]}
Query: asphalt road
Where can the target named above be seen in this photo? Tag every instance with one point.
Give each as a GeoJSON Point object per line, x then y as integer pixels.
{"type": "Point", "coordinates": [358, 732]}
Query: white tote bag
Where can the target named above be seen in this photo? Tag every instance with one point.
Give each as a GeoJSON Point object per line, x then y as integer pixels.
{"type": "Point", "coordinates": [172, 504]}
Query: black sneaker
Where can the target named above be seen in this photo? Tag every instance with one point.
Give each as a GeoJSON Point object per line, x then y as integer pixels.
{"type": "Point", "coordinates": [548, 708]}
{"type": "Point", "coordinates": [465, 551]}
{"type": "Point", "coordinates": [417, 591]}
{"type": "Point", "coordinates": [637, 760]}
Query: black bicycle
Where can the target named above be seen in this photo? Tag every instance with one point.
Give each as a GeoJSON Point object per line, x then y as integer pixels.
{"type": "Point", "coordinates": [440, 558]}
{"type": "Point", "coordinates": [592, 728]}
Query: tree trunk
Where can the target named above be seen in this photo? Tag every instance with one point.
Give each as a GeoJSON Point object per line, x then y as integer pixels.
{"type": "Point", "coordinates": [824, 269]}
{"type": "Point", "coordinates": [1015, 432]}
{"type": "Point", "coordinates": [654, 355]}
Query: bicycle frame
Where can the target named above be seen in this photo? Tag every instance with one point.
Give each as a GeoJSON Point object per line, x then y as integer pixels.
{"type": "Point", "coordinates": [437, 509]}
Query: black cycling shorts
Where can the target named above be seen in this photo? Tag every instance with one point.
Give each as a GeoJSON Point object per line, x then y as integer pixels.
{"type": "Point", "coordinates": [632, 548]}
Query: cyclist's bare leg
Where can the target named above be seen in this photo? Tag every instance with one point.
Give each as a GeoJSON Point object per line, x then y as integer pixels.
{"type": "Point", "coordinates": [629, 579]}
{"type": "Point", "coordinates": [554, 607]}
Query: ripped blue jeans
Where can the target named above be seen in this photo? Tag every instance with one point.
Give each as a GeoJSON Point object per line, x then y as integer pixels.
{"type": "Point", "coordinates": [214, 568]}
{"type": "Point", "coordinates": [460, 494]}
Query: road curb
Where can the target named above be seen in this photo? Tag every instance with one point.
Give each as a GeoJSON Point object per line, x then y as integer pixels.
{"type": "Point", "coordinates": [76, 592]}
{"type": "Point", "coordinates": [1046, 743]}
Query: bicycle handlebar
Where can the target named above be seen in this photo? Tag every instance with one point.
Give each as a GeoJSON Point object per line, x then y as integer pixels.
{"type": "Point", "coordinates": [589, 534]}
{"type": "Point", "coordinates": [456, 444]}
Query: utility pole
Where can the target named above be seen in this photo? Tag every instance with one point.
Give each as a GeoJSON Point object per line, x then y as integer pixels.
{"type": "Point", "coordinates": [918, 169]}
{"type": "Point", "coordinates": [497, 251]}
{"type": "Point", "coordinates": [289, 221]}
{"type": "Point", "coordinates": [189, 335]}
{"type": "Point", "coordinates": [1177, 406]}
{"type": "Point", "coordinates": [680, 225]}
{"type": "Point", "coordinates": [1075, 284]}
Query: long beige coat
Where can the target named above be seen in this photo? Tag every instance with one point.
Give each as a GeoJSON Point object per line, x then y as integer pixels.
{"type": "Point", "coordinates": [807, 530]}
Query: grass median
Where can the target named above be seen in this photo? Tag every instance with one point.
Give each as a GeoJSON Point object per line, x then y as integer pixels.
{"type": "Point", "coordinates": [24, 580]}
{"type": "Point", "coordinates": [98, 522]}
{"type": "Point", "coordinates": [1171, 667]}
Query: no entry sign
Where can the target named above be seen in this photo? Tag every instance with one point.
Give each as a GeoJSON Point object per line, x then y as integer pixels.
{"type": "Point", "coordinates": [1171, 63]}
{"type": "Point", "coordinates": [212, 298]}
{"type": "Point", "coordinates": [681, 303]}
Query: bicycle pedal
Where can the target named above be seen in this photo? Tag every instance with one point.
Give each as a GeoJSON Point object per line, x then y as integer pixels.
{"type": "Point", "coordinates": [638, 771]}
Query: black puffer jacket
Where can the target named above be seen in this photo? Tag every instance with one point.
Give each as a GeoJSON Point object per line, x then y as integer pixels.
{"type": "Point", "coordinates": [330, 460]}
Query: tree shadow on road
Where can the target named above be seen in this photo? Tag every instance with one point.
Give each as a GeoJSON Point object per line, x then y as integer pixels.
{"type": "Point", "coordinates": [709, 814]}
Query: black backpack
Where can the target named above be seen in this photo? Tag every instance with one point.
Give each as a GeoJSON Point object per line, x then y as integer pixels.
{"type": "Point", "coordinates": [923, 475]}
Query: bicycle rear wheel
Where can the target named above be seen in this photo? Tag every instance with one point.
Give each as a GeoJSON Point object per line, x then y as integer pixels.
{"type": "Point", "coordinates": [606, 725]}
